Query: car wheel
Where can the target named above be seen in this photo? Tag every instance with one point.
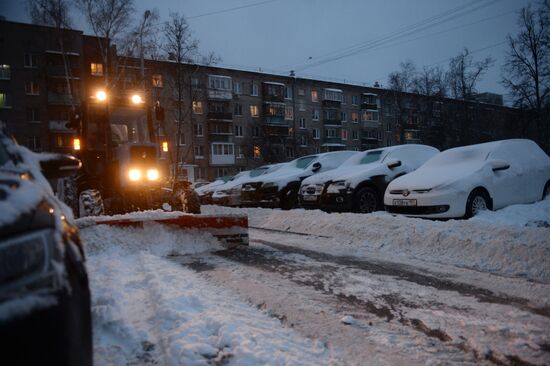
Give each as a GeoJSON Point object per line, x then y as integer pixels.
{"type": "Point", "coordinates": [289, 199]}
{"type": "Point", "coordinates": [546, 191]}
{"type": "Point", "coordinates": [477, 201]}
{"type": "Point", "coordinates": [90, 203]}
{"type": "Point", "coordinates": [367, 200]}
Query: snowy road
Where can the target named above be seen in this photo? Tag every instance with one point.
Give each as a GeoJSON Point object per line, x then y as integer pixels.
{"type": "Point", "coordinates": [303, 296]}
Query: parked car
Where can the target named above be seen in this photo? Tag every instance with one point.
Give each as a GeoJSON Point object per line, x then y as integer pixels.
{"type": "Point", "coordinates": [280, 188]}
{"type": "Point", "coordinates": [359, 184]}
{"type": "Point", "coordinates": [465, 180]}
{"type": "Point", "coordinates": [44, 295]}
{"type": "Point", "coordinates": [205, 192]}
{"type": "Point", "coordinates": [229, 194]}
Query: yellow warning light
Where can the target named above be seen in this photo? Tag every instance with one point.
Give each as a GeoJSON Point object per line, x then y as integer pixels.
{"type": "Point", "coordinates": [76, 144]}
{"type": "Point", "coordinates": [165, 146]}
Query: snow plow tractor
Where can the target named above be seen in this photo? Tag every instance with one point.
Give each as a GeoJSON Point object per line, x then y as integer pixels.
{"type": "Point", "coordinates": [122, 165]}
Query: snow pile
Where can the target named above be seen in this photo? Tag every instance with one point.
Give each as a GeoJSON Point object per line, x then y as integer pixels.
{"type": "Point", "coordinates": [484, 243]}
{"type": "Point", "coordinates": [150, 310]}
{"type": "Point", "coordinates": [533, 215]}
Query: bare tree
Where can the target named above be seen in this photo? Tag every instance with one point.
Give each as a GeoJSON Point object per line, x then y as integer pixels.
{"type": "Point", "coordinates": [108, 19]}
{"type": "Point", "coordinates": [464, 73]}
{"type": "Point", "coordinates": [430, 81]}
{"type": "Point", "coordinates": [526, 72]}
{"type": "Point", "coordinates": [404, 79]}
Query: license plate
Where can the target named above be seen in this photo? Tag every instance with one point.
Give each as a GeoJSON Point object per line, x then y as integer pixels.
{"type": "Point", "coordinates": [404, 202]}
{"type": "Point", "coordinates": [309, 198]}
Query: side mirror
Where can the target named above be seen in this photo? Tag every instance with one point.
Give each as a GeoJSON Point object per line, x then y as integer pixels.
{"type": "Point", "coordinates": [393, 164]}
{"type": "Point", "coordinates": [59, 165]}
{"type": "Point", "coordinates": [498, 165]}
{"type": "Point", "coordinates": [316, 167]}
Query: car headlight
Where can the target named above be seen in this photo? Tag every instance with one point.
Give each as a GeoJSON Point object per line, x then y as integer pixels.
{"type": "Point", "coordinates": [134, 174]}
{"type": "Point", "coordinates": [338, 186]}
{"type": "Point", "coordinates": [152, 174]}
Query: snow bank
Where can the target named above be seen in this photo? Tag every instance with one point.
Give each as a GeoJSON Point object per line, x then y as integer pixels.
{"type": "Point", "coordinates": [149, 310]}
{"type": "Point", "coordinates": [488, 243]}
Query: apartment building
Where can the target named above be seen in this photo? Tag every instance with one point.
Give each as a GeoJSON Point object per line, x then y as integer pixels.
{"type": "Point", "coordinates": [220, 120]}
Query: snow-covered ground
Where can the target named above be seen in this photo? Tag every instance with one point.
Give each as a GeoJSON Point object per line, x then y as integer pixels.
{"type": "Point", "coordinates": [317, 288]}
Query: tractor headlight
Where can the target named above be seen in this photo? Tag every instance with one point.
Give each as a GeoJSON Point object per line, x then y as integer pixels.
{"type": "Point", "coordinates": [134, 174]}
{"type": "Point", "coordinates": [152, 174]}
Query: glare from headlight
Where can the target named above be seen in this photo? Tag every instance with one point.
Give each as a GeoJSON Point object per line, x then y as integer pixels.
{"type": "Point", "coordinates": [134, 174]}
{"type": "Point", "coordinates": [152, 174]}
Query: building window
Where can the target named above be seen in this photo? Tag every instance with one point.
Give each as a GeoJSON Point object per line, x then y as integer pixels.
{"type": "Point", "coordinates": [344, 98]}
{"type": "Point", "coordinates": [254, 112]}
{"type": "Point", "coordinates": [200, 173]}
{"type": "Point", "coordinates": [314, 96]}
{"type": "Point", "coordinates": [330, 132]}
{"type": "Point", "coordinates": [315, 115]}
{"type": "Point", "coordinates": [198, 130]}
{"type": "Point", "coordinates": [96, 69]}
{"type": "Point", "coordinates": [33, 115]}
{"type": "Point", "coordinates": [195, 82]}
{"type": "Point", "coordinates": [354, 135]}
{"type": "Point", "coordinates": [315, 133]}
{"type": "Point", "coordinates": [31, 60]}
{"type": "Point", "coordinates": [238, 131]}
{"type": "Point", "coordinates": [333, 95]}
{"type": "Point", "coordinates": [255, 131]}
{"type": "Point", "coordinates": [289, 152]}
{"type": "Point", "coordinates": [288, 92]}
{"type": "Point", "coordinates": [5, 101]}
{"type": "Point", "coordinates": [34, 143]}
{"type": "Point", "coordinates": [199, 152]}
{"type": "Point", "coordinates": [302, 122]}
{"type": "Point", "coordinates": [344, 134]}
{"type": "Point", "coordinates": [354, 117]}
{"type": "Point", "coordinates": [344, 116]}
{"type": "Point", "coordinates": [240, 154]}
{"type": "Point", "coordinates": [354, 99]}
{"type": "Point", "coordinates": [222, 149]}
{"type": "Point", "coordinates": [181, 140]}
{"type": "Point", "coordinates": [238, 109]}
{"type": "Point", "coordinates": [5, 72]}
{"type": "Point", "coordinates": [237, 87]}
{"type": "Point", "coordinates": [254, 90]}
{"type": "Point", "coordinates": [289, 113]}
{"type": "Point", "coordinates": [31, 88]}
{"type": "Point", "coordinates": [302, 106]}
{"type": "Point", "coordinates": [197, 107]}
{"type": "Point", "coordinates": [301, 92]}
{"type": "Point", "coordinates": [303, 140]}
{"type": "Point", "coordinates": [369, 116]}
{"type": "Point", "coordinates": [218, 82]}
{"type": "Point", "coordinates": [157, 80]}
{"type": "Point", "coordinates": [257, 152]}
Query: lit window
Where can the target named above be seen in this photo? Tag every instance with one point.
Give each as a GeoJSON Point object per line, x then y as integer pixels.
{"type": "Point", "coordinates": [314, 96]}
{"type": "Point", "coordinates": [254, 111]}
{"type": "Point", "coordinates": [197, 107]}
{"type": "Point", "coordinates": [96, 69]}
{"type": "Point", "coordinates": [157, 80]}
{"type": "Point", "coordinates": [257, 152]}
{"type": "Point", "coordinates": [5, 72]}
{"type": "Point", "coordinates": [354, 117]}
{"type": "Point", "coordinates": [4, 100]}
{"type": "Point", "coordinates": [369, 116]}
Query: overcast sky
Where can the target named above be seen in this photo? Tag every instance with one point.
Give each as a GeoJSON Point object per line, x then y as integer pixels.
{"type": "Point", "coordinates": [351, 40]}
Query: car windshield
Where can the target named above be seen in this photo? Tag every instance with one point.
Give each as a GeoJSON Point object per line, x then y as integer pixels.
{"type": "Point", "coordinates": [371, 157]}
{"type": "Point", "coordinates": [258, 171]}
{"type": "Point", "coordinates": [304, 162]}
{"type": "Point", "coordinates": [459, 156]}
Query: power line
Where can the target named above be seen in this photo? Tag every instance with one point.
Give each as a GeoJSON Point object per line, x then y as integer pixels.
{"type": "Point", "coordinates": [402, 33]}
{"type": "Point", "coordinates": [231, 9]}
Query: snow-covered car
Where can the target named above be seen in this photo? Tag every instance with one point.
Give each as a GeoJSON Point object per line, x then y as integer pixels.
{"type": "Point", "coordinates": [280, 188]}
{"type": "Point", "coordinates": [205, 192]}
{"type": "Point", "coordinates": [229, 194]}
{"type": "Point", "coordinates": [465, 180]}
{"type": "Point", "coordinates": [45, 314]}
{"type": "Point", "coordinates": [359, 184]}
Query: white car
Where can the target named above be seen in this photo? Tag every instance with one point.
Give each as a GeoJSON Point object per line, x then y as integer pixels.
{"type": "Point", "coordinates": [280, 188]}
{"type": "Point", "coordinates": [359, 184]}
{"type": "Point", "coordinates": [465, 180]}
{"type": "Point", "coordinates": [229, 193]}
{"type": "Point", "coordinates": [205, 192]}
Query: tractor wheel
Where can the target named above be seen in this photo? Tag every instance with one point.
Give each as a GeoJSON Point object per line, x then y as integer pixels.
{"type": "Point", "coordinates": [90, 203]}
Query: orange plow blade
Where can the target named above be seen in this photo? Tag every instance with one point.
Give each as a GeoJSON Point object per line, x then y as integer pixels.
{"type": "Point", "coordinates": [231, 230]}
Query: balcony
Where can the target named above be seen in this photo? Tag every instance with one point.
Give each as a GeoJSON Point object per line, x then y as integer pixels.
{"type": "Point", "coordinates": [273, 130]}
{"type": "Point", "coordinates": [332, 122]}
{"type": "Point", "coordinates": [58, 71]}
{"type": "Point", "coordinates": [370, 106]}
{"type": "Point", "coordinates": [59, 99]}
{"type": "Point", "coordinates": [332, 140]}
{"type": "Point", "coordinates": [220, 116]}
{"type": "Point", "coordinates": [222, 159]}
{"type": "Point", "coordinates": [331, 103]}
{"type": "Point", "coordinates": [276, 121]}
{"type": "Point", "coordinates": [273, 92]}
{"type": "Point", "coordinates": [371, 124]}
{"type": "Point", "coordinates": [221, 137]}
{"type": "Point", "coordinates": [220, 94]}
